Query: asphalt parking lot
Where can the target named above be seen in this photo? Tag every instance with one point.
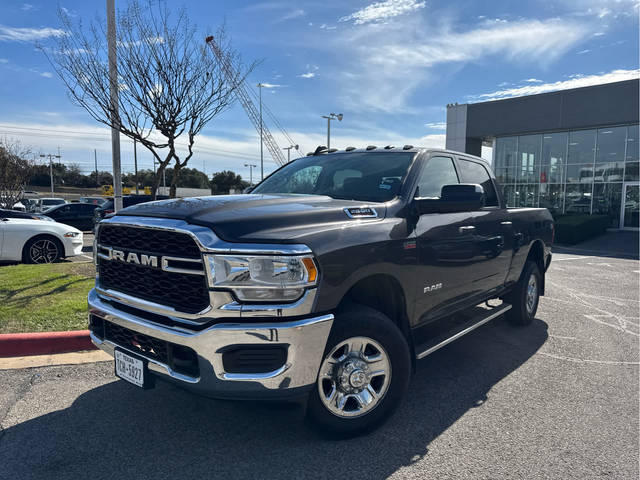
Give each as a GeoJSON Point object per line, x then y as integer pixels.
{"type": "Point", "coordinates": [557, 399]}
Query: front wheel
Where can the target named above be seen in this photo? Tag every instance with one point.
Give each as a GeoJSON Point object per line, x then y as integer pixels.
{"type": "Point", "coordinates": [42, 250]}
{"type": "Point", "coordinates": [364, 374]}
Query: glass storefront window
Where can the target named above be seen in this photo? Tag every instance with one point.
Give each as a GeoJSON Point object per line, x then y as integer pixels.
{"type": "Point", "coordinates": [505, 158]}
{"type": "Point", "coordinates": [526, 195]}
{"type": "Point", "coordinates": [610, 147]}
{"type": "Point", "coordinates": [631, 173]}
{"type": "Point", "coordinates": [551, 197]}
{"type": "Point", "coordinates": [609, 172]}
{"type": "Point", "coordinates": [529, 159]}
{"type": "Point", "coordinates": [606, 201]}
{"type": "Point", "coordinates": [554, 152]}
{"type": "Point", "coordinates": [633, 134]}
{"type": "Point", "coordinates": [509, 195]}
{"type": "Point", "coordinates": [577, 199]}
{"type": "Point", "coordinates": [582, 144]}
{"type": "Point", "coordinates": [580, 174]}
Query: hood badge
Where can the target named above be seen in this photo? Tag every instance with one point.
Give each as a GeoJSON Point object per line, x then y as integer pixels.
{"type": "Point", "coordinates": [361, 212]}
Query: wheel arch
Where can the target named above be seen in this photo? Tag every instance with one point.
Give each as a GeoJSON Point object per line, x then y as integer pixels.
{"type": "Point", "coordinates": [536, 254]}
{"type": "Point", "coordinates": [384, 293]}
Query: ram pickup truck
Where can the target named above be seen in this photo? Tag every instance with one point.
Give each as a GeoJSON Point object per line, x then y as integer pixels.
{"type": "Point", "coordinates": [328, 281]}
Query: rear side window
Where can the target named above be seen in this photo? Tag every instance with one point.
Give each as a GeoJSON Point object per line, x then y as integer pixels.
{"type": "Point", "coordinates": [472, 172]}
{"type": "Point", "coordinates": [438, 172]}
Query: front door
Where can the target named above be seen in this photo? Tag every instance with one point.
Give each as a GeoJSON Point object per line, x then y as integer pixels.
{"type": "Point", "coordinates": [630, 206]}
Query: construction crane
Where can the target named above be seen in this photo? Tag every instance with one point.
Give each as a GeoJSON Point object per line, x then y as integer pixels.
{"type": "Point", "coordinates": [244, 93]}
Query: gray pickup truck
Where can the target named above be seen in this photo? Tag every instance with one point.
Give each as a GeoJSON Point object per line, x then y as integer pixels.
{"type": "Point", "coordinates": [327, 282]}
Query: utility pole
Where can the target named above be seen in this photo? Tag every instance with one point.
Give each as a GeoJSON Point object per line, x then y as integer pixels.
{"type": "Point", "coordinates": [288, 149]}
{"type": "Point", "coordinates": [51, 167]}
{"type": "Point", "coordinates": [331, 116]}
{"type": "Point", "coordinates": [251, 167]}
{"type": "Point", "coordinates": [260, 85]}
{"type": "Point", "coordinates": [95, 161]}
{"type": "Point", "coordinates": [135, 163]}
{"type": "Point", "coordinates": [113, 81]}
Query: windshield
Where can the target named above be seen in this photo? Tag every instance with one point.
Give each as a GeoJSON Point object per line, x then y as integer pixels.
{"type": "Point", "coordinates": [368, 176]}
{"type": "Point", "coordinates": [53, 202]}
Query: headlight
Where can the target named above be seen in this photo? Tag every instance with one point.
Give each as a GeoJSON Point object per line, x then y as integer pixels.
{"type": "Point", "coordinates": [71, 234]}
{"type": "Point", "coordinates": [262, 278]}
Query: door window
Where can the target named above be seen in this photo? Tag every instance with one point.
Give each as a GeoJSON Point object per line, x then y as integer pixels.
{"type": "Point", "coordinates": [472, 172]}
{"type": "Point", "coordinates": [438, 172]}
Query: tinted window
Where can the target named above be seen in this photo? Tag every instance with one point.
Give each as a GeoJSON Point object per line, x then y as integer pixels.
{"type": "Point", "coordinates": [438, 172]}
{"type": "Point", "coordinates": [375, 177]}
{"type": "Point", "coordinates": [472, 172]}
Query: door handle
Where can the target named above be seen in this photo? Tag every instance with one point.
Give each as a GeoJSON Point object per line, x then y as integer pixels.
{"type": "Point", "coordinates": [506, 224]}
{"type": "Point", "coordinates": [467, 229]}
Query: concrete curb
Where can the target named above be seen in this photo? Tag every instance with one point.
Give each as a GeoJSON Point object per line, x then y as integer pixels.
{"type": "Point", "coordinates": [44, 343]}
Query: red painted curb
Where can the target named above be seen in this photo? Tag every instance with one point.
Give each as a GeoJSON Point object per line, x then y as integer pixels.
{"type": "Point", "coordinates": [44, 343]}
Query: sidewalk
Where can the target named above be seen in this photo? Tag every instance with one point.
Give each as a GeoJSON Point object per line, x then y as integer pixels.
{"type": "Point", "coordinates": [619, 244]}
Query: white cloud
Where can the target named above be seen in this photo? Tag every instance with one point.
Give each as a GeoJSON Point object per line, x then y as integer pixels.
{"type": "Point", "coordinates": [598, 34]}
{"type": "Point", "coordinates": [291, 15]}
{"type": "Point", "coordinates": [271, 85]}
{"type": "Point", "coordinates": [19, 34]}
{"type": "Point", "coordinates": [307, 75]}
{"type": "Point", "coordinates": [582, 52]}
{"type": "Point", "coordinates": [27, 6]}
{"type": "Point", "coordinates": [389, 62]}
{"type": "Point", "coordinates": [46, 74]}
{"type": "Point", "coordinates": [576, 81]}
{"type": "Point", "coordinates": [436, 125]}
{"type": "Point", "coordinates": [382, 11]}
{"type": "Point", "coordinates": [324, 26]}
{"type": "Point", "coordinates": [533, 80]}
{"type": "Point", "coordinates": [4, 60]}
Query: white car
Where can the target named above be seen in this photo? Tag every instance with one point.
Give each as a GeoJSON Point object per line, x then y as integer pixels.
{"type": "Point", "coordinates": [35, 241]}
{"type": "Point", "coordinates": [44, 204]}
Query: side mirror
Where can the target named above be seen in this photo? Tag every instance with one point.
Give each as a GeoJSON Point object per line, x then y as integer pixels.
{"type": "Point", "coordinates": [248, 189]}
{"type": "Point", "coordinates": [459, 197]}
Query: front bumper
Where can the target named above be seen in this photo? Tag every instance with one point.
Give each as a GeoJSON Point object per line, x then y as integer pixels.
{"type": "Point", "coordinates": [304, 340]}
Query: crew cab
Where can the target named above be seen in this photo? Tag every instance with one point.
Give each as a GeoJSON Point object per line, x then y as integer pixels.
{"type": "Point", "coordinates": [328, 281]}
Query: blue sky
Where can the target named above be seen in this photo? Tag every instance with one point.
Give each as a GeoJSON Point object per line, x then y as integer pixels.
{"type": "Point", "coordinates": [390, 67]}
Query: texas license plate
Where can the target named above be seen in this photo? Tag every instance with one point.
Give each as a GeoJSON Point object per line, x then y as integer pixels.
{"type": "Point", "coordinates": [130, 368]}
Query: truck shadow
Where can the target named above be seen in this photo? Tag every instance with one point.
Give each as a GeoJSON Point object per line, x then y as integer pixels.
{"type": "Point", "coordinates": [118, 431]}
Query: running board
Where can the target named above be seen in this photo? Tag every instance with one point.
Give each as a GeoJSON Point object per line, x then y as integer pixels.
{"type": "Point", "coordinates": [462, 330]}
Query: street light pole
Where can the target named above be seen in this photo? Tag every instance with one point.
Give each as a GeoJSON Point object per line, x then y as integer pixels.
{"type": "Point", "coordinates": [251, 167]}
{"type": "Point", "coordinates": [260, 85]}
{"type": "Point", "coordinates": [331, 116]}
{"type": "Point", "coordinates": [51, 168]}
{"type": "Point", "coordinates": [135, 163]}
{"type": "Point", "coordinates": [288, 149]}
{"type": "Point", "coordinates": [113, 83]}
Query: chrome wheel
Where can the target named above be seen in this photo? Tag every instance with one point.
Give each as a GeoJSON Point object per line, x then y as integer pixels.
{"type": "Point", "coordinates": [532, 294]}
{"type": "Point", "coordinates": [44, 251]}
{"type": "Point", "coordinates": [354, 377]}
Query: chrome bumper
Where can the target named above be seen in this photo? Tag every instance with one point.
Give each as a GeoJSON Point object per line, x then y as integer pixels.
{"type": "Point", "coordinates": [305, 340]}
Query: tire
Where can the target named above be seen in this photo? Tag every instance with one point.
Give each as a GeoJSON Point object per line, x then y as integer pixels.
{"type": "Point", "coordinates": [42, 249]}
{"type": "Point", "coordinates": [362, 344]}
{"type": "Point", "coordinates": [525, 295]}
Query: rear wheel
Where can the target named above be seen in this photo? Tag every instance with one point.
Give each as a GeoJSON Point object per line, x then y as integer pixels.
{"type": "Point", "coordinates": [364, 374]}
{"type": "Point", "coordinates": [42, 250]}
{"type": "Point", "coordinates": [525, 295]}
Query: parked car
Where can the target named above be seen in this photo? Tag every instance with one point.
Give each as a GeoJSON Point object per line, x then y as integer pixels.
{"type": "Point", "coordinates": [43, 204]}
{"type": "Point", "coordinates": [93, 200]}
{"type": "Point", "coordinates": [35, 241]}
{"type": "Point", "coordinates": [127, 200]}
{"type": "Point", "coordinates": [79, 215]}
{"type": "Point", "coordinates": [15, 214]}
{"type": "Point", "coordinates": [30, 204]}
{"type": "Point", "coordinates": [19, 207]}
{"type": "Point", "coordinates": [329, 281]}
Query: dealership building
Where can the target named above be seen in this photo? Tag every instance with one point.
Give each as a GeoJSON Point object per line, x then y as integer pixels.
{"type": "Point", "coordinates": [571, 151]}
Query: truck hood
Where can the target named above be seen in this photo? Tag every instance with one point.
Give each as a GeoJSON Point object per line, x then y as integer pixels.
{"type": "Point", "coordinates": [238, 218]}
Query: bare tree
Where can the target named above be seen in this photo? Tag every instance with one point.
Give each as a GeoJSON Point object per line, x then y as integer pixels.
{"type": "Point", "coordinates": [15, 170]}
{"type": "Point", "coordinates": [169, 84]}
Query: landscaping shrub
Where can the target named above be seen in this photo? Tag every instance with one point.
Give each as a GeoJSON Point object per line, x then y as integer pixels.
{"type": "Point", "coordinates": [572, 229]}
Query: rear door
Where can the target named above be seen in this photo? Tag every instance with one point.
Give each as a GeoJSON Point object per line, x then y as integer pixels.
{"type": "Point", "coordinates": [491, 231]}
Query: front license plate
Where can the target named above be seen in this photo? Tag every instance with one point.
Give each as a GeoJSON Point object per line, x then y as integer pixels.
{"type": "Point", "coordinates": [130, 368]}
